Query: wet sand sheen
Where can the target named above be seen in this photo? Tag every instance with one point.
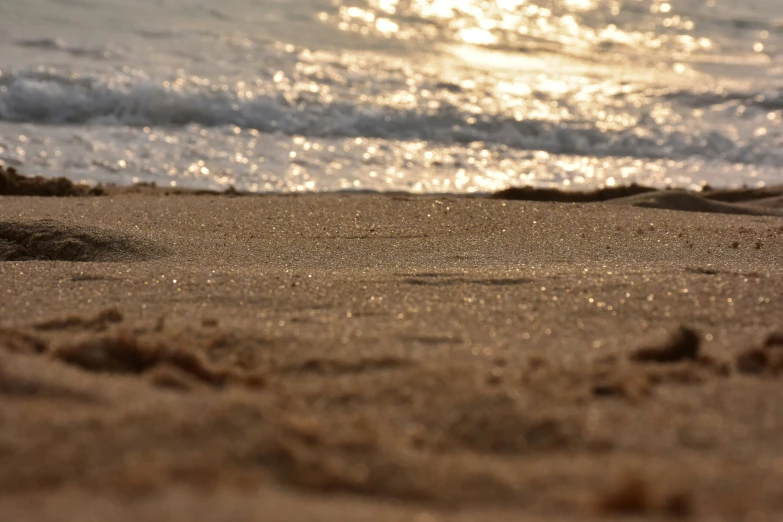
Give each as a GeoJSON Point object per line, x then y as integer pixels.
{"type": "Point", "coordinates": [353, 356]}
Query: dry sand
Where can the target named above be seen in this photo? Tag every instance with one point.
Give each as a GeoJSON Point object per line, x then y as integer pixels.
{"type": "Point", "coordinates": [390, 357]}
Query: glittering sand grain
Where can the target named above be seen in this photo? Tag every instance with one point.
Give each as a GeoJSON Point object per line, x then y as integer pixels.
{"type": "Point", "coordinates": [336, 357]}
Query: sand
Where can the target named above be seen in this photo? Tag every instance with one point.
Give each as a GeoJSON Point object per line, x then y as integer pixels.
{"type": "Point", "coordinates": [177, 356]}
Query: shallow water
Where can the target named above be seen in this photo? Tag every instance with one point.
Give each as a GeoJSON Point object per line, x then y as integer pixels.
{"type": "Point", "coordinates": [427, 96]}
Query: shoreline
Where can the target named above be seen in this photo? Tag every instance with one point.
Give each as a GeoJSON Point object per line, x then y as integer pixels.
{"type": "Point", "coordinates": [390, 356]}
{"type": "Point", "coordinates": [745, 200]}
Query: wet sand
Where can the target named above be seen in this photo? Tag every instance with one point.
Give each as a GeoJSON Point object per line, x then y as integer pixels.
{"type": "Point", "coordinates": [394, 357]}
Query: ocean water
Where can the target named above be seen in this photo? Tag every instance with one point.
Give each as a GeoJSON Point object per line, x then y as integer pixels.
{"type": "Point", "coordinates": [412, 95]}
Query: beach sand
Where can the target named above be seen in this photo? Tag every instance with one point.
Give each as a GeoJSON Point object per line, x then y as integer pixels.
{"type": "Point", "coordinates": [171, 356]}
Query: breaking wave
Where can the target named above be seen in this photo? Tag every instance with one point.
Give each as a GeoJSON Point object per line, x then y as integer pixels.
{"type": "Point", "coordinates": [51, 97]}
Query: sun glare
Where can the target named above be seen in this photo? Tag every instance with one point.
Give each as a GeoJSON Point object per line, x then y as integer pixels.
{"type": "Point", "coordinates": [579, 27]}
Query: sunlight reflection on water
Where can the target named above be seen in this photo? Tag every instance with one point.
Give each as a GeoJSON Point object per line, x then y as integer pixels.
{"type": "Point", "coordinates": [437, 95]}
{"type": "Point", "coordinates": [580, 26]}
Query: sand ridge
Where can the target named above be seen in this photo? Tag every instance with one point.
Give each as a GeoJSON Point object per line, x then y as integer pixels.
{"type": "Point", "coordinates": [322, 425]}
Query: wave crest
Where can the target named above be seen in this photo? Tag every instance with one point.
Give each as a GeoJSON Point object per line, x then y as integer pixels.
{"type": "Point", "coordinates": [131, 99]}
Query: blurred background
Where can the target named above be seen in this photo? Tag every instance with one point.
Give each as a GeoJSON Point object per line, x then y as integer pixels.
{"type": "Point", "coordinates": [412, 95]}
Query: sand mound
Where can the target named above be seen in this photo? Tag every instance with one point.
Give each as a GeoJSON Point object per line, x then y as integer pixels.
{"type": "Point", "coordinates": [52, 241]}
{"type": "Point", "coordinates": [14, 184]}
{"type": "Point", "coordinates": [689, 202]}
{"type": "Point", "coordinates": [758, 201]}
{"type": "Point", "coordinates": [743, 195]}
{"type": "Point", "coordinates": [770, 202]}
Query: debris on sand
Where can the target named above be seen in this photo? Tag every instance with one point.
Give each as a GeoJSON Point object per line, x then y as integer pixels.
{"type": "Point", "coordinates": [633, 496]}
{"type": "Point", "coordinates": [563, 196]}
{"type": "Point", "coordinates": [682, 346]}
{"type": "Point", "coordinates": [766, 359]}
{"type": "Point", "coordinates": [14, 184]}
